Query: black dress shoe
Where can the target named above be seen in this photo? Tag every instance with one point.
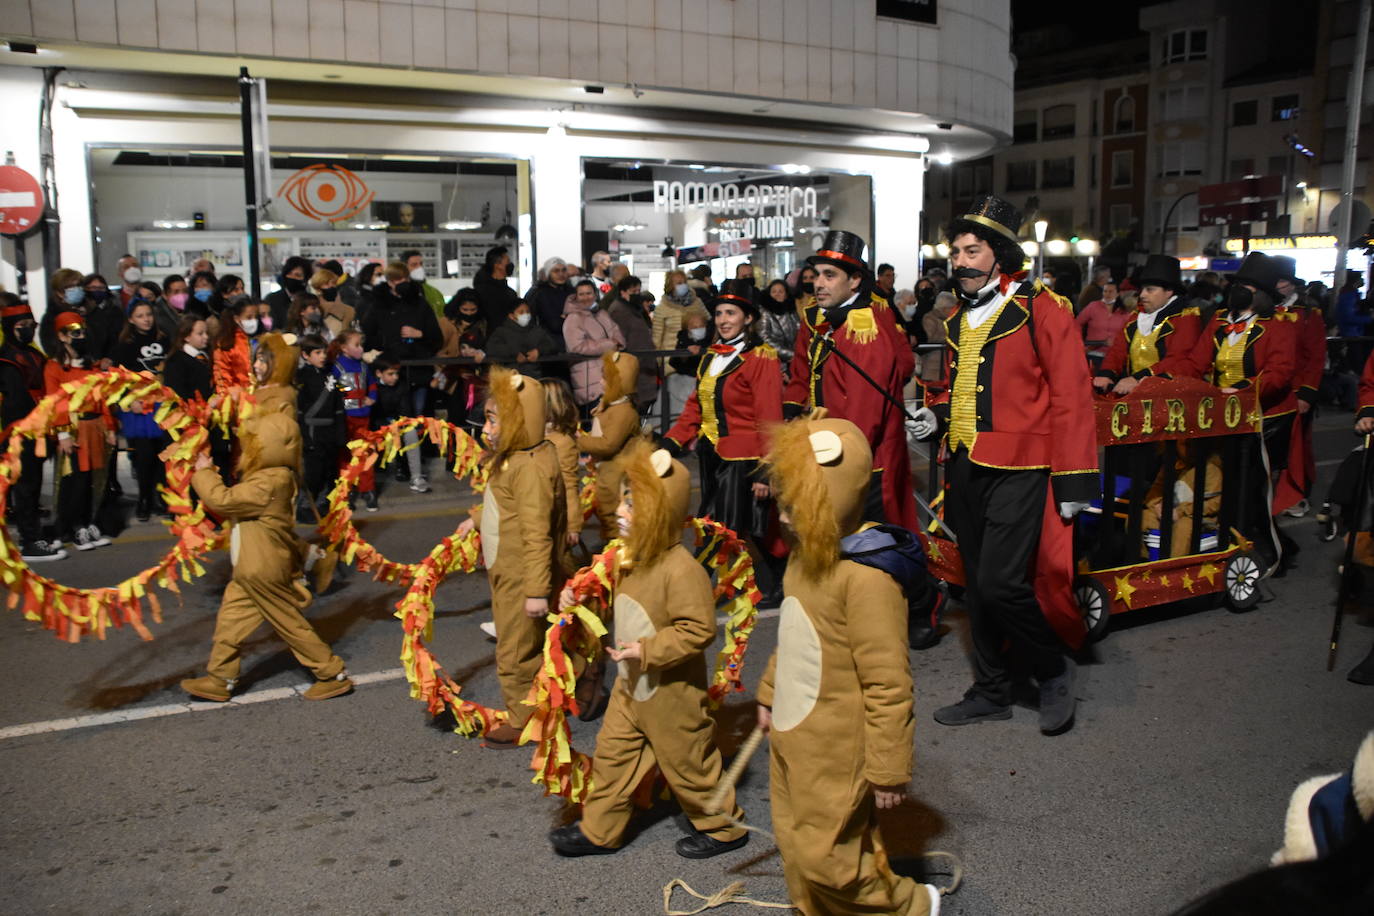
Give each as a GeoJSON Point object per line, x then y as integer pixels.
{"type": "Point", "coordinates": [974, 707]}
{"type": "Point", "coordinates": [703, 846]}
{"type": "Point", "coordinates": [569, 840]}
{"type": "Point", "coordinates": [1057, 700]}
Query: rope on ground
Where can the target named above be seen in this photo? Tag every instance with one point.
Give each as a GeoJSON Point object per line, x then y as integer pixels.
{"type": "Point", "coordinates": [730, 894]}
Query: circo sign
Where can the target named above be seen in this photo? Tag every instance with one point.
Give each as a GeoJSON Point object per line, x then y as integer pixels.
{"type": "Point", "coordinates": [21, 201]}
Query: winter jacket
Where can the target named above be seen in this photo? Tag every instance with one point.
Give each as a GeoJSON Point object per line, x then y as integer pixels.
{"type": "Point", "coordinates": [668, 317]}
{"type": "Point", "coordinates": [546, 301]}
{"type": "Point", "coordinates": [637, 329]}
{"type": "Point", "coordinates": [21, 380]}
{"type": "Point", "coordinates": [103, 324]}
{"type": "Point", "coordinates": [590, 332]}
{"type": "Point", "coordinates": [392, 312]}
{"type": "Point", "coordinates": [1351, 321]}
{"type": "Point", "coordinates": [233, 367]}
{"type": "Point", "coordinates": [779, 329]}
{"type": "Point", "coordinates": [188, 376]}
{"type": "Point", "coordinates": [687, 365]}
{"type": "Point", "coordinates": [497, 298]}
{"type": "Point", "coordinates": [393, 402]}
{"type": "Point", "coordinates": [509, 340]}
{"type": "Point", "coordinates": [320, 408]}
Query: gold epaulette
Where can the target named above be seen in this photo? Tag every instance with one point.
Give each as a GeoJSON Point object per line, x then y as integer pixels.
{"type": "Point", "coordinates": [1192, 310]}
{"type": "Point", "coordinates": [860, 326]}
{"type": "Point", "coordinates": [877, 303]}
{"type": "Point", "coordinates": [1059, 300]}
{"type": "Point", "coordinates": [765, 351]}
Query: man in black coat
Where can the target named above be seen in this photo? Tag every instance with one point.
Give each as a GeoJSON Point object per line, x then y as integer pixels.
{"type": "Point", "coordinates": [402, 325]}
{"type": "Point", "coordinates": [497, 298]}
{"type": "Point", "coordinates": [294, 273]}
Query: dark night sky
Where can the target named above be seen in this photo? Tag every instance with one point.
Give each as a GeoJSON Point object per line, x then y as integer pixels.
{"type": "Point", "coordinates": [1104, 20]}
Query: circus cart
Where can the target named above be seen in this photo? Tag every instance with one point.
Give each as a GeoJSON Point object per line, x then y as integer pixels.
{"type": "Point", "coordinates": [1184, 495]}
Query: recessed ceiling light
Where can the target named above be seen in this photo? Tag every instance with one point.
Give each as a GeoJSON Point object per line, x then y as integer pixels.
{"type": "Point", "coordinates": [333, 76]}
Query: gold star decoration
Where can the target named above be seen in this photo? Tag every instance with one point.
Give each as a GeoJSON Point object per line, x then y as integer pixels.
{"type": "Point", "coordinates": [1188, 582]}
{"type": "Point", "coordinates": [1164, 581]}
{"type": "Point", "coordinates": [934, 550]}
{"type": "Point", "coordinates": [1209, 572]}
{"type": "Point", "coordinates": [1124, 589]}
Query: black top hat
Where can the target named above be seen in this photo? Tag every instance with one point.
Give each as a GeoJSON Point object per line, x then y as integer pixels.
{"type": "Point", "coordinates": [738, 292]}
{"type": "Point", "coordinates": [843, 249]}
{"type": "Point", "coordinates": [1161, 270]}
{"type": "Point", "coordinates": [1260, 271]}
{"type": "Point", "coordinates": [990, 213]}
{"type": "Point", "coordinates": [1288, 268]}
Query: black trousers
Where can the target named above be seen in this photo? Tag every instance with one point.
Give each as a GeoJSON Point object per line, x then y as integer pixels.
{"type": "Point", "coordinates": [996, 516]}
{"type": "Point", "coordinates": [75, 500]}
{"type": "Point", "coordinates": [148, 468]}
{"type": "Point", "coordinates": [321, 466]}
{"type": "Point", "coordinates": [25, 493]}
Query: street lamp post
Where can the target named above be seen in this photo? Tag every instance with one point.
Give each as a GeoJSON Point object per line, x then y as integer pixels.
{"type": "Point", "coordinates": [1042, 226]}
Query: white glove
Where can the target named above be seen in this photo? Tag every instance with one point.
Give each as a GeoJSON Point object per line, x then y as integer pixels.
{"type": "Point", "coordinates": [922, 425]}
{"type": "Point", "coordinates": [1068, 510]}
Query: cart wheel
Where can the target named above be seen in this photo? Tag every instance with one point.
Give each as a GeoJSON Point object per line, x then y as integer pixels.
{"type": "Point", "coordinates": [1095, 605]}
{"type": "Point", "coordinates": [1241, 578]}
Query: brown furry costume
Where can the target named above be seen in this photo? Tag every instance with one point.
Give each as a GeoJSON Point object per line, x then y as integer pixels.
{"type": "Point", "coordinates": [839, 685]}
{"type": "Point", "coordinates": [658, 713]}
{"type": "Point", "coordinates": [614, 422]}
{"type": "Point", "coordinates": [264, 549]}
{"type": "Point", "coordinates": [523, 521]}
{"type": "Point", "coordinates": [278, 392]}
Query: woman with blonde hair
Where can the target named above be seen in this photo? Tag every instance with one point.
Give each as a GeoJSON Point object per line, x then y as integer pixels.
{"type": "Point", "coordinates": [678, 299]}
{"type": "Point", "coordinates": [338, 315]}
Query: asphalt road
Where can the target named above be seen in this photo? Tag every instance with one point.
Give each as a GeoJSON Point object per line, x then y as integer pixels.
{"type": "Point", "coordinates": [1194, 726]}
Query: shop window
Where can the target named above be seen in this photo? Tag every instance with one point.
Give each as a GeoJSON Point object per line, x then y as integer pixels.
{"type": "Point", "coordinates": [1123, 168]}
{"type": "Point", "coordinates": [1120, 218]}
{"type": "Point", "coordinates": [1025, 128]}
{"type": "Point", "coordinates": [1058, 121]}
{"type": "Point", "coordinates": [1059, 172]}
{"type": "Point", "coordinates": [1184, 158]}
{"type": "Point", "coordinates": [1284, 107]}
{"type": "Point", "coordinates": [1021, 176]}
{"type": "Point", "coordinates": [1245, 113]}
{"type": "Point", "coordinates": [1123, 114]}
{"type": "Point", "coordinates": [1185, 45]}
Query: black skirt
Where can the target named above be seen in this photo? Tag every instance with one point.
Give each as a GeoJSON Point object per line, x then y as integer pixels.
{"type": "Point", "coordinates": [727, 495]}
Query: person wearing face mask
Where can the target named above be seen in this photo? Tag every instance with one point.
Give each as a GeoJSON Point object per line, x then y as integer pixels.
{"type": "Point", "coordinates": [403, 326]}
{"type": "Point", "coordinates": [130, 275]}
{"type": "Point", "coordinates": [104, 319]}
{"type": "Point", "coordinates": [337, 315]}
{"type": "Point", "coordinates": [82, 440]}
{"type": "Point", "coordinates": [1015, 403]}
{"type": "Point", "coordinates": [142, 347]}
{"type": "Point", "coordinates": [492, 284]}
{"type": "Point", "coordinates": [677, 301]}
{"type": "Point", "coordinates": [550, 291]}
{"type": "Point", "coordinates": [307, 317]}
{"type": "Point", "coordinates": [1158, 338]}
{"type": "Point", "coordinates": [415, 268]}
{"type": "Point", "coordinates": [293, 274]}
{"type": "Point", "coordinates": [591, 332]}
{"type": "Point", "coordinates": [203, 296]}
{"type": "Point", "coordinates": [628, 309]}
{"type": "Point", "coordinates": [683, 379]}
{"type": "Point", "coordinates": [465, 334]}
{"type": "Point", "coordinates": [1101, 322]}
{"type": "Point", "coordinates": [21, 388]}
{"type": "Point", "coordinates": [780, 321]}
{"type": "Point", "coordinates": [369, 275]}
{"type": "Point", "coordinates": [519, 343]}
{"type": "Point", "coordinates": [235, 345]}
{"type": "Point", "coordinates": [1250, 345]}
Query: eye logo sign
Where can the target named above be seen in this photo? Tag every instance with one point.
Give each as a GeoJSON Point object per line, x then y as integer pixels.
{"type": "Point", "coordinates": [326, 192]}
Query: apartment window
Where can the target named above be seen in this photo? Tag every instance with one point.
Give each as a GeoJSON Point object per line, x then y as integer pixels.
{"type": "Point", "coordinates": [1058, 121]}
{"type": "Point", "coordinates": [1182, 158]}
{"type": "Point", "coordinates": [1124, 115]}
{"type": "Point", "coordinates": [1237, 169]}
{"type": "Point", "coordinates": [1025, 128]}
{"type": "Point", "coordinates": [1184, 45]}
{"type": "Point", "coordinates": [1243, 114]}
{"type": "Point", "coordinates": [1184, 218]}
{"type": "Point", "coordinates": [1123, 168]}
{"type": "Point", "coordinates": [1119, 218]}
{"type": "Point", "coordinates": [1183, 103]}
{"type": "Point", "coordinates": [1021, 176]}
{"type": "Point", "coordinates": [1058, 172]}
{"type": "Point", "coordinates": [1284, 107]}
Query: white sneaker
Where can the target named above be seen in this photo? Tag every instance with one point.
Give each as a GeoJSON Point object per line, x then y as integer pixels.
{"type": "Point", "coordinates": [488, 627]}
{"type": "Point", "coordinates": [419, 485]}
{"type": "Point", "coordinates": [97, 539]}
{"type": "Point", "coordinates": [83, 539]}
{"type": "Point", "coordinates": [1298, 510]}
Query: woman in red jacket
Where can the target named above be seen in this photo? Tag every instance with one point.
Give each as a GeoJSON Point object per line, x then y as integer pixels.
{"type": "Point", "coordinates": [82, 440]}
{"type": "Point", "coordinates": [738, 396]}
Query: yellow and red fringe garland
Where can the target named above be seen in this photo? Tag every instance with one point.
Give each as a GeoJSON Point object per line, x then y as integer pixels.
{"type": "Point", "coordinates": [71, 612]}
{"type": "Point", "coordinates": [388, 443]}
{"type": "Point", "coordinates": [576, 632]}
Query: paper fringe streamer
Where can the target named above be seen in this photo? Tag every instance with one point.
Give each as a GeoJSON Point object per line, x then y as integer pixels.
{"type": "Point", "coordinates": [576, 634]}
{"type": "Point", "coordinates": [72, 612]}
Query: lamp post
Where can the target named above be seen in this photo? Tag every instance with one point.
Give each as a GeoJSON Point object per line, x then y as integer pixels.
{"type": "Point", "coordinates": [1042, 226]}
{"type": "Point", "coordinates": [1089, 249]}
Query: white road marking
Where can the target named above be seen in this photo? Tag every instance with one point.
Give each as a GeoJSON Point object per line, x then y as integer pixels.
{"type": "Point", "coordinates": [174, 709]}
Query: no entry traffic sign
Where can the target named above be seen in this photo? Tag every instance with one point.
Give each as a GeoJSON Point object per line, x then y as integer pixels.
{"type": "Point", "coordinates": [21, 201]}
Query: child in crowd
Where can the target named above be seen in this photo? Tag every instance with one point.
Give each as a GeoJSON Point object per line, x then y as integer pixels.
{"type": "Point", "coordinates": [523, 523]}
{"type": "Point", "coordinates": [393, 402]}
{"type": "Point", "coordinates": [320, 407]}
{"type": "Point", "coordinates": [614, 422]}
{"type": "Point", "coordinates": [665, 620]}
{"type": "Point", "coordinates": [142, 347]}
{"type": "Point", "coordinates": [267, 560]}
{"type": "Point", "coordinates": [560, 428]}
{"type": "Point", "coordinates": [356, 383]}
{"type": "Point", "coordinates": [82, 440]}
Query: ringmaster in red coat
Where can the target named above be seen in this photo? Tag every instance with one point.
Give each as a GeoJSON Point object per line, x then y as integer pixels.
{"type": "Point", "coordinates": [1017, 408]}
{"type": "Point", "coordinates": [1295, 483]}
{"type": "Point", "coordinates": [1163, 331]}
{"type": "Point", "coordinates": [851, 326]}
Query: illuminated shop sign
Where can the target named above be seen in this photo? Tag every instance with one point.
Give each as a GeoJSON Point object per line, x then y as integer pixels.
{"type": "Point", "coordinates": [733, 198]}
{"type": "Point", "coordinates": [1282, 242]}
{"type": "Point", "coordinates": [757, 227]}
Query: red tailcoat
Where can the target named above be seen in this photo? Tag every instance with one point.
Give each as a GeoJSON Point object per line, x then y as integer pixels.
{"type": "Point", "coordinates": [1179, 326]}
{"type": "Point", "coordinates": [1035, 411]}
{"type": "Point", "coordinates": [870, 337]}
{"type": "Point", "coordinates": [1270, 350]}
{"type": "Point", "coordinates": [741, 403]}
{"type": "Point", "coordinates": [1295, 483]}
{"type": "Point", "coordinates": [1366, 408]}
